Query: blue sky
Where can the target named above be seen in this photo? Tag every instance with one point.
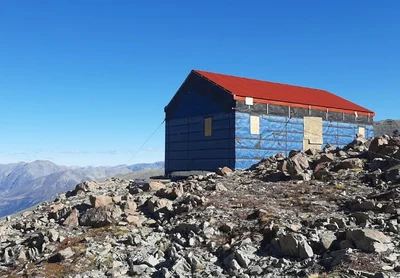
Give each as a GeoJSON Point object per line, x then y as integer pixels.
{"type": "Point", "coordinates": [85, 82]}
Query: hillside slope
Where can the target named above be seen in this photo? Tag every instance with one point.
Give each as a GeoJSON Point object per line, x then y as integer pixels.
{"type": "Point", "coordinates": [388, 127]}
{"type": "Point", "coordinates": [332, 213]}
{"type": "Point", "coordinates": [25, 184]}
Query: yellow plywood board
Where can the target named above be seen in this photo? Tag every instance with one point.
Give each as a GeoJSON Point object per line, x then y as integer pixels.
{"type": "Point", "coordinates": [361, 131]}
{"type": "Point", "coordinates": [254, 125]}
{"type": "Point", "coordinates": [207, 126]}
{"type": "Point", "coordinates": [312, 133]}
{"type": "Point", "coordinates": [307, 145]}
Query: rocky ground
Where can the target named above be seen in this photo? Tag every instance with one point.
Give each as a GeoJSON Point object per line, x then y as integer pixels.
{"type": "Point", "coordinates": [330, 213]}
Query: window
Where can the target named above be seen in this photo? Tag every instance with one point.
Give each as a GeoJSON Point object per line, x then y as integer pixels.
{"type": "Point", "coordinates": [254, 125]}
{"type": "Point", "coordinates": [207, 126]}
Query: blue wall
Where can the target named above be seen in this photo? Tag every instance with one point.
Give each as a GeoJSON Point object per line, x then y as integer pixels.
{"type": "Point", "coordinates": [193, 103]}
{"type": "Point", "coordinates": [340, 134]}
{"type": "Point", "coordinates": [281, 134]}
{"type": "Point", "coordinates": [187, 148]}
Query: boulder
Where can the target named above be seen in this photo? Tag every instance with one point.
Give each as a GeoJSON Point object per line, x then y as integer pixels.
{"type": "Point", "coordinates": [360, 144]}
{"type": "Point", "coordinates": [369, 240]}
{"type": "Point", "coordinates": [220, 187]}
{"type": "Point", "coordinates": [135, 220]}
{"type": "Point", "coordinates": [85, 186]}
{"type": "Point", "coordinates": [171, 192]}
{"type": "Point", "coordinates": [327, 238]}
{"type": "Point", "coordinates": [8, 256]}
{"type": "Point", "coordinates": [361, 218]}
{"type": "Point", "coordinates": [293, 245]}
{"type": "Point", "coordinates": [329, 148]}
{"type": "Point", "coordinates": [298, 166]}
{"type": "Point", "coordinates": [100, 216]}
{"type": "Point", "coordinates": [282, 166]}
{"type": "Point", "coordinates": [327, 157]}
{"type": "Point", "coordinates": [138, 270]}
{"type": "Point", "coordinates": [37, 241]}
{"type": "Point", "coordinates": [52, 235]}
{"type": "Point", "coordinates": [376, 144]}
{"type": "Point", "coordinates": [224, 171]}
{"type": "Point", "coordinates": [129, 207]}
{"type": "Point", "coordinates": [56, 208]}
{"type": "Point", "coordinates": [72, 219]}
{"type": "Point", "coordinates": [21, 256]}
{"type": "Point", "coordinates": [378, 164]}
{"type": "Point", "coordinates": [351, 163]}
{"type": "Point", "coordinates": [159, 205]}
{"type": "Point", "coordinates": [300, 160]}
{"type": "Point", "coordinates": [62, 255]}
{"type": "Point", "coordinates": [116, 199]}
{"type": "Point", "coordinates": [153, 186]}
{"type": "Point", "coordinates": [58, 211]}
{"type": "Point", "coordinates": [322, 173]}
{"type": "Point", "coordinates": [311, 152]}
{"type": "Point", "coordinates": [393, 173]}
{"type": "Point", "coordinates": [388, 150]}
{"type": "Point", "coordinates": [181, 267]}
{"type": "Point", "coordinates": [227, 227]}
{"type": "Point", "coordinates": [361, 205]}
{"type": "Point", "coordinates": [100, 201]}
{"type": "Point", "coordinates": [375, 178]}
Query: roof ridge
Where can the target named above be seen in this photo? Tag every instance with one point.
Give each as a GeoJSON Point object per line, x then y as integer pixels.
{"type": "Point", "coordinates": [260, 80]}
{"type": "Point", "coordinates": [275, 91]}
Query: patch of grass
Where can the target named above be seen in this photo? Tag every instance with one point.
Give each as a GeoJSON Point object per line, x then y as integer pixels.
{"type": "Point", "coordinates": [328, 190]}
{"type": "Point", "coordinates": [55, 269]}
{"type": "Point", "coordinates": [108, 262]}
{"type": "Point", "coordinates": [265, 220]}
{"type": "Point", "coordinates": [120, 232]}
{"type": "Point", "coordinates": [340, 186]}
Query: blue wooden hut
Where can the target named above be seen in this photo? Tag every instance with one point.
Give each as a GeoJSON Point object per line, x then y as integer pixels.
{"type": "Point", "coordinates": [217, 120]}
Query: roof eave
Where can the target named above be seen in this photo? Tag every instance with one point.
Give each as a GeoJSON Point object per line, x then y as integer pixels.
{"type": "Point", "coordinates": [365, 112]}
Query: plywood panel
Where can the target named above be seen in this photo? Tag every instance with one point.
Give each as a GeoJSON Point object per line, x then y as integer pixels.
{"type": "Point", "coordinates": [307, 145]}
{"type": "Point", "coordinates": [312, 133]}
{"type": "Point", "coordinates": [361, 131]}
{"type": "Point", "coordinates": [207, 126]}
{"type": "Point", "coordinates": [254, 125]}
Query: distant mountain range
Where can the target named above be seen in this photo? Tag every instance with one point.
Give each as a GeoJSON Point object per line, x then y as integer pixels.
{"type": "Point", "coordinates": [23, 185]}
{"type": "Point", "coordinates": [388, 127]}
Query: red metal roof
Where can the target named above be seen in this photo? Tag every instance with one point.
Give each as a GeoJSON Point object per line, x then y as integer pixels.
{"type": "Point", "coordinates": [264, 91]}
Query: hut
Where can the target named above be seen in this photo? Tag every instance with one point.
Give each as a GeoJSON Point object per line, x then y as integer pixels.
{"type": "Point", "coordinates": [217, 120]}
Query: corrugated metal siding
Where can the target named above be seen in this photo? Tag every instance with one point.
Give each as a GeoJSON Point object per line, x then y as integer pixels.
{"type": "Point", "coordinates": [188, 149]}
{"type": "Point", "coordinates": [281, 134]}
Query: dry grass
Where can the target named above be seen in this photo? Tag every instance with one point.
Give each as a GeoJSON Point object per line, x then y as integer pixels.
{"type": "Point", "coordinates": [340, 186]}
